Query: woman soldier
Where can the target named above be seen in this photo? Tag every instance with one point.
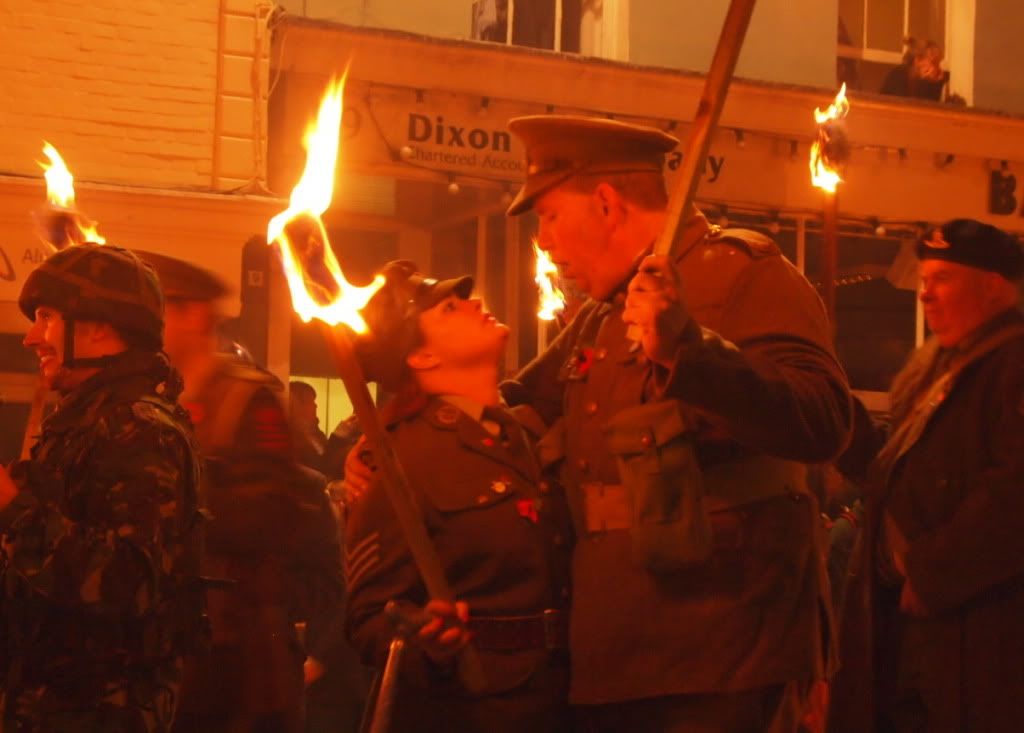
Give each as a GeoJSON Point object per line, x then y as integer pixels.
{"type": "Point", "coordinates": [501, 533]}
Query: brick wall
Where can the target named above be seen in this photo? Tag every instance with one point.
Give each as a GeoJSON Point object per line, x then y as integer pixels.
{"type": "Point", "coordinates": [139, 92]}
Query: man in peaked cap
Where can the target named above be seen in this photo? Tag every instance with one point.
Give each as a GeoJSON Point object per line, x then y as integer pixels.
{"type": "Point", "coordinates": [697, 583]}
{"type": "Point", "coordinates": [500, 531]}
{"type": "Point", "coordinates": [930, 630]}
{"type": "Point", "coordinates": [271, 535]}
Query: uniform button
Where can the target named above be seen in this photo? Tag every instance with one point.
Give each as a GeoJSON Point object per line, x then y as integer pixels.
{"type": "Point", "coordinates": [583, 465]}
{"type": "Point", "coordinates": [499, 487]}
{"type": "Point", "coordinates": [601, 353]}
{"type": "Point", "coordinates": [544, 487]}
{"type": "Point", "coordinates": [646, 441]}
{"type": "Point", "coordinates": [482, 499]}
{"type": "Point", "coordinates": [590, 408]}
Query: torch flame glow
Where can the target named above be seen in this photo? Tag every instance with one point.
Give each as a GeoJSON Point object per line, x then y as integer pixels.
{"type": "Point", "coordinates": [552, 300]}
{"type": "Point", "coordinates": [60, 192]}
{"type": "Point", "coordinates": [822, 174]}
{"type": "Point", "coordinates": [310, 198]}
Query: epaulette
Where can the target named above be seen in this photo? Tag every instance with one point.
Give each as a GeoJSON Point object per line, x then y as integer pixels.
{"type": "Point", "coordinates": [755, 244]}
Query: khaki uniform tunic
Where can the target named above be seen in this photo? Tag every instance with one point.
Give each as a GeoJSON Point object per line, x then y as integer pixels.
{"type": "Point", "coordinates": [757, 379]}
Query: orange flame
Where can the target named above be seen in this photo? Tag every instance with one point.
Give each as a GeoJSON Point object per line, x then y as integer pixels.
{"type": "Point", "coordinates": [552, 300]}
{"type": "Point", "coordinates": [318, 286]}
{"type": "Point", "coordinates": [823, 175]}
{"type": "Point", "coordinates": [60, 192]}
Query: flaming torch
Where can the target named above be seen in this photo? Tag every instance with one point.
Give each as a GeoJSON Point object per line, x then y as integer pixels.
{"type": "Point", "coordinates": [319, 290]}
{"type": "Point", "coordinates": [551, 300]}
{"type": "Point", "coordinates": [829, 152]}
{"type": "Point", "coordinates": [62, 224]}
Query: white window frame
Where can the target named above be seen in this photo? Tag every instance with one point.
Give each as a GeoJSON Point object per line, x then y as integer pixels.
{"type": "Point", "coordinates": [864, 53]}
{"type": "Point", "coordinates": [604, 28]}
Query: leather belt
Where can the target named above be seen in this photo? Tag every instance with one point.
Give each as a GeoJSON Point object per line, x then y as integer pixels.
{"type": "Point", "coordinates": [546, 630]}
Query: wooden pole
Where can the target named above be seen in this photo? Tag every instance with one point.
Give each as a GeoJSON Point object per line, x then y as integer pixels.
{"type": "Point", "coordinates": [829, 255]}
{"type": "Point", "coordinates": [709, 110]}
{"type": "Point", "coordinates": [423, 552]}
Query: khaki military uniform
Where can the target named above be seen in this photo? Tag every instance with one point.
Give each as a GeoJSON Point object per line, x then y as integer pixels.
{"type": "Point", "coordinates": [272, 541]}
{"type": "Point", "coordinates": [950, 482]}
{"type": "Point", "coordinates": [503, 541]}
{"type": "Point", "coordinates": [757, 389]}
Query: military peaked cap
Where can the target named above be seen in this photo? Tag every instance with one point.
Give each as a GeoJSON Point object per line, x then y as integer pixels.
{"type": "Point", "coordinates": [392, 319]}
{"type": "Point", "coordinates": [561, 146]}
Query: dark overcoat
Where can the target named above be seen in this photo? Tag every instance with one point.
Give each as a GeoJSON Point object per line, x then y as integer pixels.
{"type": "Point", "coordinates": [956, 493]}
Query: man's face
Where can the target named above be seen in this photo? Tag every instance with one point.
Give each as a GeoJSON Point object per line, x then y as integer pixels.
{"type": "Point", "coordinates": [956, 299]}
{"type": "Point", "coordinates": [304, 408]}
{"type": "Point", "coordinates": [46, 337]}
{"type": "Point", "coordinates": [187, 326]}
{"type": "Point", "coordinates": [574, 234]}
{"type": "Point", "coordinates": [458, 333]}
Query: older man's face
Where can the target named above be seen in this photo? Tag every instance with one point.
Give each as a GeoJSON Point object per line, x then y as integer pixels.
{"type": "Point", "coordinates": [956, 299]}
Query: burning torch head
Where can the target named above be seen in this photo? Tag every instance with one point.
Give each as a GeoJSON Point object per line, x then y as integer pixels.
{"type": "Point", "coordinates": [392, 319]}
{"type": "Point", "coordinates": [90, 282]}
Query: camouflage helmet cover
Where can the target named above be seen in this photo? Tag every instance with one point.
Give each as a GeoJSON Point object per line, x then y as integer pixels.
{"type": "Point", "coordinates": [99, 283]}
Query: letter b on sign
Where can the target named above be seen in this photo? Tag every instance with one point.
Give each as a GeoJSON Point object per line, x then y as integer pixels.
{"type": "Point", "coordinates": [1000, 193]}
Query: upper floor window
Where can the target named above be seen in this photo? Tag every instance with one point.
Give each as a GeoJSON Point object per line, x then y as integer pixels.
{"type": "Point", "coordinates": [589, 27]}
{"type": "Point", "coordinates": [550, 24]}
{"type": "Point", "coordinates": [895, 47]}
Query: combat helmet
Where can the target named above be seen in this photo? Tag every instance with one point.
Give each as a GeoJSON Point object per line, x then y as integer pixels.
{"type": "Point", "coordinates": [91, 282]}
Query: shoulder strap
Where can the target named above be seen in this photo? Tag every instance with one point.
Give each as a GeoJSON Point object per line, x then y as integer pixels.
{"type": "Point", "coordinates": [755, 244]}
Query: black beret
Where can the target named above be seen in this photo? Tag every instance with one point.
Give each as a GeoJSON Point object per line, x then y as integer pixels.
{"type": "Point", "coordinates": [975, 244]}
{"type": "Point", "coordinates": [392, 319]}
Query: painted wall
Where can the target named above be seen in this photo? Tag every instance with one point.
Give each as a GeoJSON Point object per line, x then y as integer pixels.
{"type": "Point", "coordinates": [443, 18]}
{"type": "Point", "coordinates": [789, 41]}
{"type": "Point", "coordinates": [999, 56]}
{"type": "Point", "coordinates": [142, 92]}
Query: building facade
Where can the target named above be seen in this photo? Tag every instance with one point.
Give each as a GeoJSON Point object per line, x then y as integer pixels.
{"type": "Point", "coordinates": [183, 125]}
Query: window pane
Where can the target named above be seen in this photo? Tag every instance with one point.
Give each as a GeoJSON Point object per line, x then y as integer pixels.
{"type": "Point", "coordinates": [928, 21]}
{"type": "Point", "coordinates": [885, 25]}
{"type": "Point", "coordinates": [851, 22]}
{"type": "Point", "coordinates": [874, 320]}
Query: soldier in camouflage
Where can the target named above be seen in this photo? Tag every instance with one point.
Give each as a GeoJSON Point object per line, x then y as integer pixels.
{"type": "Point", "coordinates": [101, 524]}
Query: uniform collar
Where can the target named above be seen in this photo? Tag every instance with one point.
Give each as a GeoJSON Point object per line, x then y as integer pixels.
{"type": "Point", "coordinates": [469, 406]}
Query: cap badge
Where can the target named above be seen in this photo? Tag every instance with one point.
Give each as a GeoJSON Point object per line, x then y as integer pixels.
{"type": "Point", "coordinates": [936, 240]}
